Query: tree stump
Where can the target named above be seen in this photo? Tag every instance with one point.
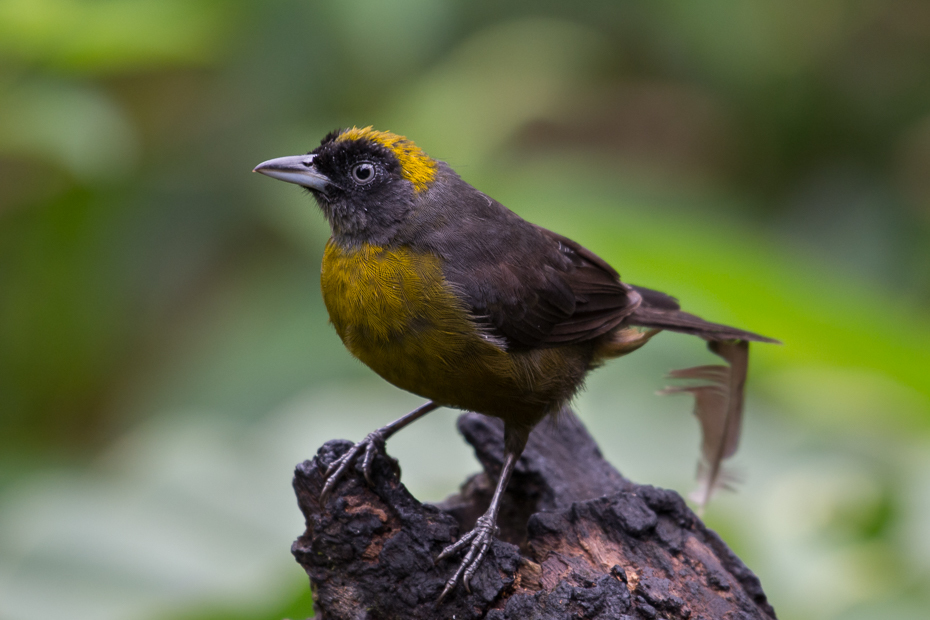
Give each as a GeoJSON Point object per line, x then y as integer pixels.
{"type": "Point", "coordinates": [577, 540]}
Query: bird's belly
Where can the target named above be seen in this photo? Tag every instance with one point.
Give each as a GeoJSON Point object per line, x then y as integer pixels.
{"type": "Point", "coordinates": [396, 313]}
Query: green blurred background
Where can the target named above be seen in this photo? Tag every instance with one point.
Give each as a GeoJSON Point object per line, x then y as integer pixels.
{"type": "Point", "coordinates": [165, 357]}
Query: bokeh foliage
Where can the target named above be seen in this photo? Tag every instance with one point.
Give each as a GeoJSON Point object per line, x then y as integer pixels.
{"type": "Point", "coordinates": [163, 344]}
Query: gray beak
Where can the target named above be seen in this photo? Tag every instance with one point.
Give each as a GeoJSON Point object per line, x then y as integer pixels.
{"type": "Point", "coordinates": [297, 169]}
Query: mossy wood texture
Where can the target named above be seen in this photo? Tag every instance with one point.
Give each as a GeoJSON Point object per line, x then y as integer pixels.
{"type": "Point", "coordinates": [577, 541]}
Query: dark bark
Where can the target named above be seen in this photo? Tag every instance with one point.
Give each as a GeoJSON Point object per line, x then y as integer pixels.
{"type": "Point", "coordinates": [578, 540]}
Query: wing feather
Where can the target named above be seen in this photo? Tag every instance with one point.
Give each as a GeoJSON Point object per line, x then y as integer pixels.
{"type": "Point", "coordinates": [569, 295]}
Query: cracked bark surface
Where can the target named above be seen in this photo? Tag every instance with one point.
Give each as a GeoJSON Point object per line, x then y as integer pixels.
{"type": "Point", "coordinates": [577, 540]}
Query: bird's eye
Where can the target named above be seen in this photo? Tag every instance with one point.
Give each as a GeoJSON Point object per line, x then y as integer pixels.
{"type": "Point", "coordinates": [363, 172]}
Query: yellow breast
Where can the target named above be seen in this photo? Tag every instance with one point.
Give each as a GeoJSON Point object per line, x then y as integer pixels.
{"type": "Point", "coordinates": [396, 313]}
{"type": "Point", "coordinates": [379, 297]}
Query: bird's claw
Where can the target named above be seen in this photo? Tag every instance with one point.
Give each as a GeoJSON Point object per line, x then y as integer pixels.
{"type": "Point", "coordinates": [479, 541]}
{"type": "Point", "coordinates": [372, 444]}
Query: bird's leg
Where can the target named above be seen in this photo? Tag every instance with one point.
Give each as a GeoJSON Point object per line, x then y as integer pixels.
{"type": "Point", "coordinates": [373, 443]}
{"type": "Point", "coordinates": [479, 538]}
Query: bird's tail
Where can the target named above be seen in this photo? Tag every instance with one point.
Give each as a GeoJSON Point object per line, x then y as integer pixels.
{"type": "Point", "coordinates": [717, 389]}
{"type": "Point", "coordinates": [661, 311]}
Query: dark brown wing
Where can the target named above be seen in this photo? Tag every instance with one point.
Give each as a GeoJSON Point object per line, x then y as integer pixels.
{"type": "Point", "coordinates": [526, 285]}
{"type": "Point", "coordinates": [529, 286]}
{"type": "Point", "coordinates": [602, 301]}
{"type": "Point", "coordinates": [542, 289]}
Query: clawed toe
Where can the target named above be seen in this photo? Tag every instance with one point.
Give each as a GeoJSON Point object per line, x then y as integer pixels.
{"type": "Point", "coordinates": [478, 541]}
{"type": "Point", "coordinates": [372, 444]}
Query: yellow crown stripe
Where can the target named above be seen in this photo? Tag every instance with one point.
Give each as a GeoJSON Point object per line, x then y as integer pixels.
{"type": "Point", "coordinates": [415, 165]}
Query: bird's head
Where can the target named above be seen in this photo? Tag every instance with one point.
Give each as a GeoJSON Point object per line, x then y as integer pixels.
{"type": "Point", "coordinates": [366, 181]}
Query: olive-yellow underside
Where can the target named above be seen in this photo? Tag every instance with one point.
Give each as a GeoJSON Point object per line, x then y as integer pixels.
{"type": "Point", "coordinates": [395, 311]}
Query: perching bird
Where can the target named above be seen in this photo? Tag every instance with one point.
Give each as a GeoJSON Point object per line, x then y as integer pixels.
{"type": "Point", "coordinates": [448, 294]}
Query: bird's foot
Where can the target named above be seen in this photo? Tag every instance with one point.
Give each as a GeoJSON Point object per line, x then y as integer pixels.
{"type": "Point", "coordinates": [371, 445]}
{"type": "Point", "coordinates": [478, 541]}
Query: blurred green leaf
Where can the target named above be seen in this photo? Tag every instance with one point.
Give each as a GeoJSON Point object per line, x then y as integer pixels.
{"type": "Point", "coordinates": [101, 36]}
{"type": "Point", "coordinates": [78, 128]}
{"type": "Point", "coordinates": [494, 83]}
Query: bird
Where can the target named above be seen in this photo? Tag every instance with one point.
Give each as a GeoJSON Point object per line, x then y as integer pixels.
{"type": "Point", "coordinates": [446, 293]}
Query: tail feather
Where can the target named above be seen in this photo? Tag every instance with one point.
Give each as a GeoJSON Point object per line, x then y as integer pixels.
{"type": "Point", "coordinates": [718, 406]}
{"type": "Point", "coordinates": [718, 391]}
{"type": "Point", "coordinates": [680, 321]}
